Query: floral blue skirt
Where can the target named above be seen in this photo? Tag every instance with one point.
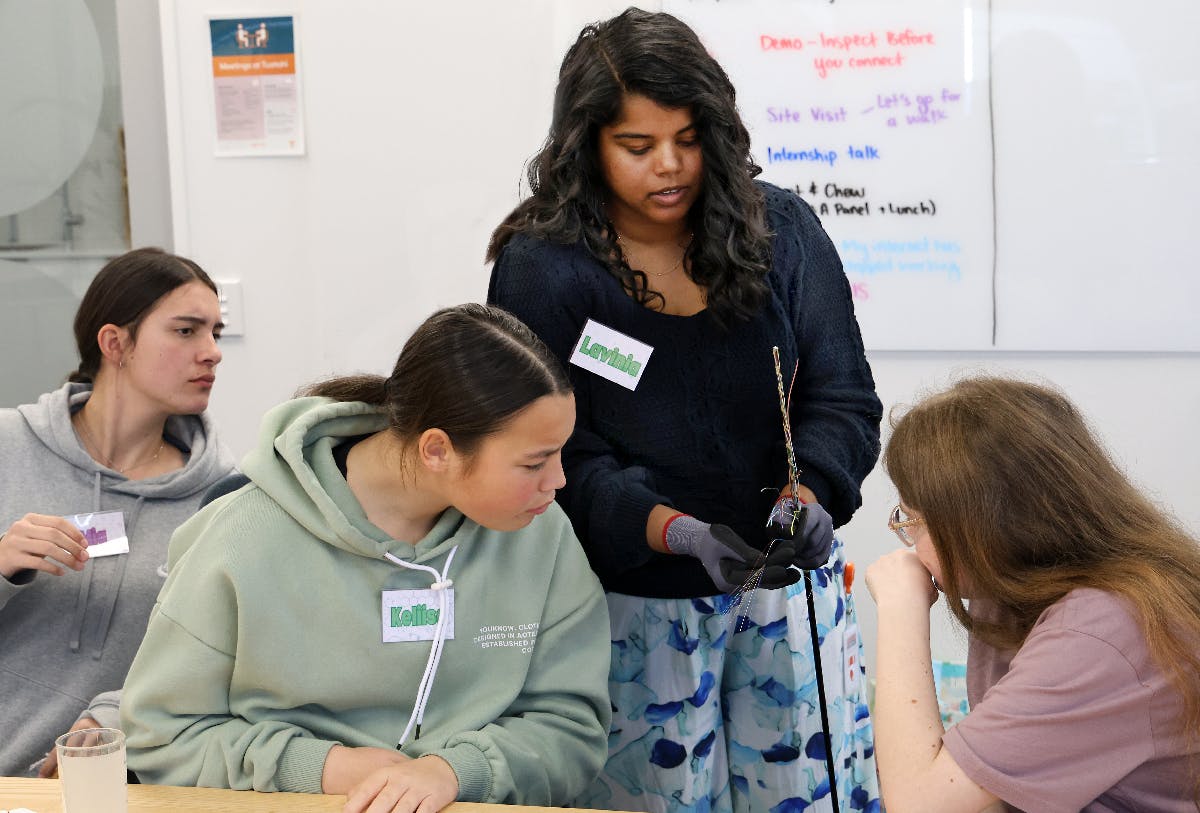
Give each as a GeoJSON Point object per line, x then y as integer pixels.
{"type": "Point", "coordinates": [715, 704]}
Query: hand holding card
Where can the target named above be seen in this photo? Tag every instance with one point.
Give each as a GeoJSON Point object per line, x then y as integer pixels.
{"type": "Point", "coordinates": [42, 542]}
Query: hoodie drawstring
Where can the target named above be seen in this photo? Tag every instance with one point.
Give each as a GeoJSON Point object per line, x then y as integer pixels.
{"type": "Point", "coordinates": [81, 597]}
{"type": "Point", "coordinates": [85, 582]}
{"type": "Point", "coordinates": [106, 619]}
{"type": "Point", "coordinates": [440, 584]}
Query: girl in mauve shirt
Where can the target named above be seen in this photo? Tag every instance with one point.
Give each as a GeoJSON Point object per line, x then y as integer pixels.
{"type": "Point", "coordinates": [1084, 615]}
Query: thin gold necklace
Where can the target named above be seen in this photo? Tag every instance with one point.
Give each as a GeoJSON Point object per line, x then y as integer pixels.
{"type": "Point", "coordinates": [672, 269]}
{"type": "Point", "coordinates": [95, 447]}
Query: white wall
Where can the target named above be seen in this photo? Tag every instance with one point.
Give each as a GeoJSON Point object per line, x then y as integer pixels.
{"type": "Point", "coordinates": [416, 150]}
{"type": "Point", "coordinates": [419, 120]}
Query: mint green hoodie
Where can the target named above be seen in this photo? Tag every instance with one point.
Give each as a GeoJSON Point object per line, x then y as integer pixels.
{"type": "Point", "coordinates": [265, 648]}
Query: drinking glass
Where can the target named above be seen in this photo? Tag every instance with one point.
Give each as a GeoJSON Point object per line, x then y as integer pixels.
{"type": "Point", "coordinates": [91, 767]}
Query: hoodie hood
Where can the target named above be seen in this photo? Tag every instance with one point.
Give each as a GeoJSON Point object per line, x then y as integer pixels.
{"type": "Point", "coordinates": [49, 419]}
{"type": "Point", "coordinates": [293, 464]}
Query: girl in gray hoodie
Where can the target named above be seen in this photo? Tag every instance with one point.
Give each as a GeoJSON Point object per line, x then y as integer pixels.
{"type": "Point", "coordinates": [125, 434]}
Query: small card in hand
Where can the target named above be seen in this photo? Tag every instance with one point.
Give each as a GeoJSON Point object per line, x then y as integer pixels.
{"type": "Point", "coordinates": [104, 532]}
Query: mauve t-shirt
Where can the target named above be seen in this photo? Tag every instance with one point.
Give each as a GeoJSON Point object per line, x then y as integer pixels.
{"type": "Point", "coordinates": [1078, 719]}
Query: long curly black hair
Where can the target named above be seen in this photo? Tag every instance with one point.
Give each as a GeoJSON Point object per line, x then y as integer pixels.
{"type": "Point", "coordinates": [657, 56]}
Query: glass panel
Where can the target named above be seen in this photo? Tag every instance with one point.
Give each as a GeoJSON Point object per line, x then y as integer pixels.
{"type": "Point", "coordinates": [63, 209]}
{"type": "Point", "coordinates": [38, 299]}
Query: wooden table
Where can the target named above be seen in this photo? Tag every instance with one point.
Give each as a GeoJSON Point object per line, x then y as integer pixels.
{"type": "Point", "coordinates": [44, 796]}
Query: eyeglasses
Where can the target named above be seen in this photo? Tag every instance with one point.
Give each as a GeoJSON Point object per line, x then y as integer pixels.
{"type": "Point", "coordinates": [900, 525]}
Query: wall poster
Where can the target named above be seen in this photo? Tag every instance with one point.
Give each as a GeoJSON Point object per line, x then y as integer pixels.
{"type": "Point", "coordinates": [256, 86]}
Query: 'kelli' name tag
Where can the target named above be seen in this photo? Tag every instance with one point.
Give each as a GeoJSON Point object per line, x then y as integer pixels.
{"type": "Point", "coordinates": [611, 355]}
{"type": "Point", "coordinates": [104, 532]}
{"type": "Point", "coordinates": [412, 615]}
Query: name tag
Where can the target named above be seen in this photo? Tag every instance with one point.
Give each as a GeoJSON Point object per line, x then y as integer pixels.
{"type": "Point", "coordinates": [412, 615]}
{"type": "Point", "coordinates": [104, 532]}
{"type": "Point", "coordinates": [611, 354]}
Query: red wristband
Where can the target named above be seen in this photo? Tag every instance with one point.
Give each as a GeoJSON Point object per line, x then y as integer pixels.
{"type": "Point", "coordinates": [666, 525]}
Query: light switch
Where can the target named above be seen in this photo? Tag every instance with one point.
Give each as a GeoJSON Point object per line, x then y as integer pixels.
{"type": "Point", "coordinates": [229, 295]}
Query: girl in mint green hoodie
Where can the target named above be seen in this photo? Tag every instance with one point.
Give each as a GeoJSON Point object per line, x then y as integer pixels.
{"type": "Point", "coordinates": [394, 607]}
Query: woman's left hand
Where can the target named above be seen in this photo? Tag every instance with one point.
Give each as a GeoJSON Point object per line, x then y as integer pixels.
{"type": "Point", "coordinates": [803, 492]}
{"type": "Point", "coordinates": [807, 527]}
{"type": "Point", "coordinates": [423, 785]}
{"type": "Point", "coordinates": [899, 578]}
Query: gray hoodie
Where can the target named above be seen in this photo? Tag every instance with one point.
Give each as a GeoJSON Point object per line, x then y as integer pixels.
{"type": "Point", "coordinates": [64, 639]}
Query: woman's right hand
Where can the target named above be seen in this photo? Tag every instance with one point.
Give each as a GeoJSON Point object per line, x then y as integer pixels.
{"type": "Point", "coordinates": [41, 542]}
{"type": "Point", "coordinates": [49, 767]}
{"type": "Point", "coordinates": [346, 767]}
{"type": "Point", "coordinates": [899, 579]}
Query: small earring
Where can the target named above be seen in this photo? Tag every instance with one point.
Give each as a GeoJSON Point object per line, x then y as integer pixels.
{"type": "Point", "coordinates": [121, 365]}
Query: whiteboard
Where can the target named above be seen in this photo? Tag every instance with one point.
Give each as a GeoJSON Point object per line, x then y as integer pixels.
{"type": "Point", "coordinates": [1011, 175]}
{"type": "Point", "coordinates": [1056, 142]}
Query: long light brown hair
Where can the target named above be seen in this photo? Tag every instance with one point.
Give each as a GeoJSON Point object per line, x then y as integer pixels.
{"type": "Point", "coordinates": [1023, 504]}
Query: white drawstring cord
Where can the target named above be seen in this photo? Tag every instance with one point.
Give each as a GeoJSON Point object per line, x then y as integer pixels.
{"type": "Point", "coordinates": [440, 584]}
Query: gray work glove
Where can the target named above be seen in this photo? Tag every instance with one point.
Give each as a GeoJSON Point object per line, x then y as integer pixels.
{"type": "Point", "coordinates": [729, 561]}
{"type": "Point", "coordinates": [807, 527]}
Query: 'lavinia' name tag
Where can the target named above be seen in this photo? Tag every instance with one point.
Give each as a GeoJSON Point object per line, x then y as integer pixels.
{"type": "Point", "coordinates": [611, 354]}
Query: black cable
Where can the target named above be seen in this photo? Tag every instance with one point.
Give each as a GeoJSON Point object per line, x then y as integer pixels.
{"type": "Point", "coordinates": [812, 626]}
